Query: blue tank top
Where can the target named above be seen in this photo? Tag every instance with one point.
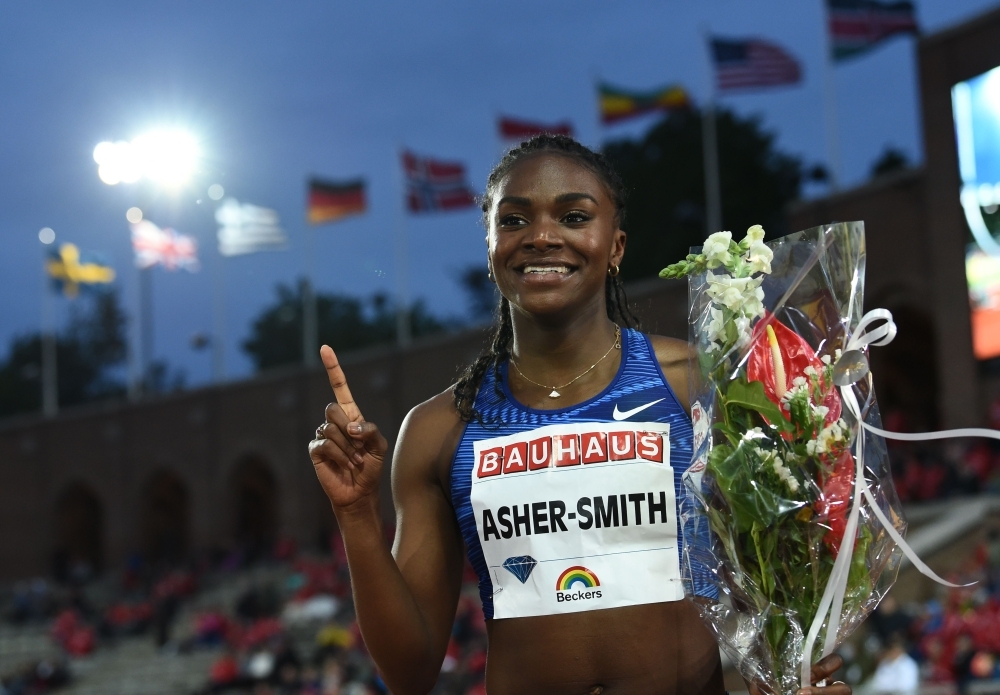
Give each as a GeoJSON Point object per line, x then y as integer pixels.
{"type": "Point", "coordinates": [576, 509]}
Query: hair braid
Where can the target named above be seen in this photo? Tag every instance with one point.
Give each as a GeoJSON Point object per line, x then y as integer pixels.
{"type": "Point", "coordinates": [503, 330]}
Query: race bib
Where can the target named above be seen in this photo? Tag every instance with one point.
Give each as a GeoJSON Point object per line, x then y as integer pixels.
{"type": "Point", "coordinates": [577, 517]}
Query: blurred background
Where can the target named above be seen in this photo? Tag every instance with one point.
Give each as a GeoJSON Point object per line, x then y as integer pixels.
{"type": "Point", "coordinates": [194, 197]}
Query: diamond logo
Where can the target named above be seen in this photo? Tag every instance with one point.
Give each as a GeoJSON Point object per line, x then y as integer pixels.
{"type": "Point", "coordinates": [520, 566]}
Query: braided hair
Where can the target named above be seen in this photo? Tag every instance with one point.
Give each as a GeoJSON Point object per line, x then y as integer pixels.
{"type": "Point", "coordinates": [503, 331]}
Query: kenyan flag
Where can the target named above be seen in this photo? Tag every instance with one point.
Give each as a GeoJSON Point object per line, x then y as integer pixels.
{"type": "Point", "coordinates": [859, 25]}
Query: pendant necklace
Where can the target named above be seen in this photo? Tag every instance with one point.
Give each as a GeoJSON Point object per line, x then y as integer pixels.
{"type": "Point", "coordinates": [554, 393]}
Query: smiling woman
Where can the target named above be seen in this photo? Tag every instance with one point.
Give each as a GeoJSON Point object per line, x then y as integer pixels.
{"type": "Point", "coordinates": [560, 477]}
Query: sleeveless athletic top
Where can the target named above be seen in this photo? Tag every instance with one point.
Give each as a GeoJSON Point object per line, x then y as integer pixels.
{"type": "Point", "coordinates": [577, 509]}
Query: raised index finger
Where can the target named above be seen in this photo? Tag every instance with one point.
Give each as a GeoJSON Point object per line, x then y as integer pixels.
{"type": "Point", "coordinates": [339, 384]}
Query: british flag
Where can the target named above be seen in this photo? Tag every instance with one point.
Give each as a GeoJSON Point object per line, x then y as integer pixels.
{"type": "Point", "coordinates": [165, 247]}
{"type": "Point", "coordinates": [433, 185]}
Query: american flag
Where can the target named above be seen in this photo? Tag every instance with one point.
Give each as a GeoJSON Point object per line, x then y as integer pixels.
{"type": "Point", "coordinates": [752, 63]}
{"type": "Point", "coordinates": [166, 247]}
{"type": "Point", "coordinates": [433, 185]}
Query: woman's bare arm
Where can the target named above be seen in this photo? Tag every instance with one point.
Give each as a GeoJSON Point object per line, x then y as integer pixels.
{"type": "Point", "coordinates": [405, 604]}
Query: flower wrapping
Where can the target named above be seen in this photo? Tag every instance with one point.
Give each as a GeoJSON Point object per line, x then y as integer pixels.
{"type": "Point", "coordinates": [777, 451]}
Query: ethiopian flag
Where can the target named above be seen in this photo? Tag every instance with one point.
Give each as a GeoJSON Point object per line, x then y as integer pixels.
{"type": "Point", "coordinates": [618, 104]}
{"type": "Point", "coordinates": [330, 201]}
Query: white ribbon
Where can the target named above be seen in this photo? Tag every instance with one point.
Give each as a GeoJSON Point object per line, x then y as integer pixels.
{"type": "Point", "coordinates": [832, 601]}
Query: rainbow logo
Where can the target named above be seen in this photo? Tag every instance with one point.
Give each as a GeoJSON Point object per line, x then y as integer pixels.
{"type": "Point", "coordinates": [577, 577]}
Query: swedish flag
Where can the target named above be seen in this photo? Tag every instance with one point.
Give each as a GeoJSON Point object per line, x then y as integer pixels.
{"type": "Point", "coordinates": [69, 270]}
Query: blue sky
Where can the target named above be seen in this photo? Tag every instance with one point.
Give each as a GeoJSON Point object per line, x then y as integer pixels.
{"type": "Point", "coordinates": [278, 91]}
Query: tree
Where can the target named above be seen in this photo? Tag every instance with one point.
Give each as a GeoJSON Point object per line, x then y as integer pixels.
{"type": "Point", "coordinates": [891, 160]}
{"type": "Point", "coordinates": [481, 294]}
{"type": "Point", "coordinates": [343, 323]}
{"type": "Point", "coordinates": [664, 175]}
{"type": "Point", "coordinates": [88, 353]}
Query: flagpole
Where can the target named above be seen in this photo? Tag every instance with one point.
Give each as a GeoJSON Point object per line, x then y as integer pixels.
{"type": "Point", "coordinates": [710, 149]}
{"type": "Point", "coordinates": [403, 327]}
{"type": "Point", "coordinates": [146, 326]}
{"type": "Point", "coordinates": [134, 344]}
{"type": "Point", "coordinates": [50, 374]}
{"type": "Point", "coordinates": [310, 332]}
{"type": "Point", "coordinates": [829, 102]}
{"type": "Point", "coordinates": [595, 80]}
{"type": "Point", "coordinates": [219, 341]}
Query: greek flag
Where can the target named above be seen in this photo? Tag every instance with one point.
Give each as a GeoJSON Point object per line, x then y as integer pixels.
{"type": "Point", "coordinates": [245, 228]}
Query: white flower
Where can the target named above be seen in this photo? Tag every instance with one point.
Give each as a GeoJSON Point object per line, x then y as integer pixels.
{"type": "Point", "coordinates": [781, 470]}
{"type": "Point", "coordinates": [798, 389]}
{"type": "Point", "coordinates": [821, 410]}
{"type": "Point", "coordinates": [753, 306]}
{"type": "Point", "coordinates": [755, 433]}
{"type": "Point", "coordinates": [716, 249]}
{"type": "Point", "coordinates": [716, 328]}
{"type": "Point", "coordinates": [759, 257]}
{"type": "Point", "coordinates": [728, 291]}
{"type": "Point", "coordinates": [825, 359]}
{"type": "Point", "coordinates": [810, 371]}
{"type": "Point", "coordinates": [829, 437]}
{"type": "Point", "coordinates": [742, 331]}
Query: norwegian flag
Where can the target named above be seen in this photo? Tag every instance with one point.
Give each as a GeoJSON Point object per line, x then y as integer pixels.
{"type": "Point", "coordinates": [166, 247]}
{"type": "Point", "coordinates": [433, 185]}
{"type": "Point", "coordinates": [752, 63]}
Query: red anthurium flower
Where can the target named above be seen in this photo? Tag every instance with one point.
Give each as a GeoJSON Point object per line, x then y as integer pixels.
{"type": "Point", "coordinates": [779, 355]}
{"type": "Point", "coordinates": [835, 500]}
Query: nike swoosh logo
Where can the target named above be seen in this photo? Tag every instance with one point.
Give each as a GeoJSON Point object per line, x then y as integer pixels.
{"type": "Point", "coordinates": [619, 415]}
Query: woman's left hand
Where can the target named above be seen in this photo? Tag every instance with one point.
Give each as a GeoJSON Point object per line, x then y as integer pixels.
{"type": "Point", "coordinates": [821, 670]}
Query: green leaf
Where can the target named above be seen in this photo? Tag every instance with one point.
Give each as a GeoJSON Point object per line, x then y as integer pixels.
{"type": "Point", "coordinates": [732, 434]}
{"type": "Point", "coordinates": [750, 395]}
{"type": "Point", "coordinates": [749, 502]}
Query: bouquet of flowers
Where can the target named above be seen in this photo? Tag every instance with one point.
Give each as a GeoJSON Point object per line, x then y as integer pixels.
{"type": "Point", "coordinates": [789, 474]}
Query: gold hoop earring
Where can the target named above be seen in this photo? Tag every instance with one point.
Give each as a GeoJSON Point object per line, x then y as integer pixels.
{"type": "Point", "coordinates": [614, 270]}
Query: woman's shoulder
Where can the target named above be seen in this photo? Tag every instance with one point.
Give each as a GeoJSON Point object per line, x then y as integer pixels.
{"type": "Point", "coordinates": [431, 431]}
{"type": "Point", "coordinates": [674, 356]}
{"type": "Point", "coordinates": [670, 351]}
{"type": "Point", "coordinates": [437, 416]}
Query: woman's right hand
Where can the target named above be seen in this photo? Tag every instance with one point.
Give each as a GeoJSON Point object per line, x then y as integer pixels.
{"type": "Point", "coordinates": [347, 452]}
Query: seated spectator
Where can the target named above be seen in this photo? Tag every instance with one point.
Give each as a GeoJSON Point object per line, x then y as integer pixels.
{"type": "Point", "coordinates": [897, 672]}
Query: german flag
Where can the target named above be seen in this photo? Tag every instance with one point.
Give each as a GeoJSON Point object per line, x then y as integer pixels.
{"type": "Point", "coordinates": [330, 201]}
{"type": "Point", "coordinates": [619, 104]}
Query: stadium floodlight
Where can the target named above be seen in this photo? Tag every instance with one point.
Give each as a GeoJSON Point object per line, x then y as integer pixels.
{"type": "Point", "coordinates": [166, 156]}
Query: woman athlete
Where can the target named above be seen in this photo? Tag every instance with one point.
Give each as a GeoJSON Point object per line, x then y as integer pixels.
{"type": "Point", "coordinates": [567, 508]}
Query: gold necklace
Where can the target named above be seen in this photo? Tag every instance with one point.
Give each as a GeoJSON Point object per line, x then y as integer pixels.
{"type": "Point", "coordinates": [555, 389]}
